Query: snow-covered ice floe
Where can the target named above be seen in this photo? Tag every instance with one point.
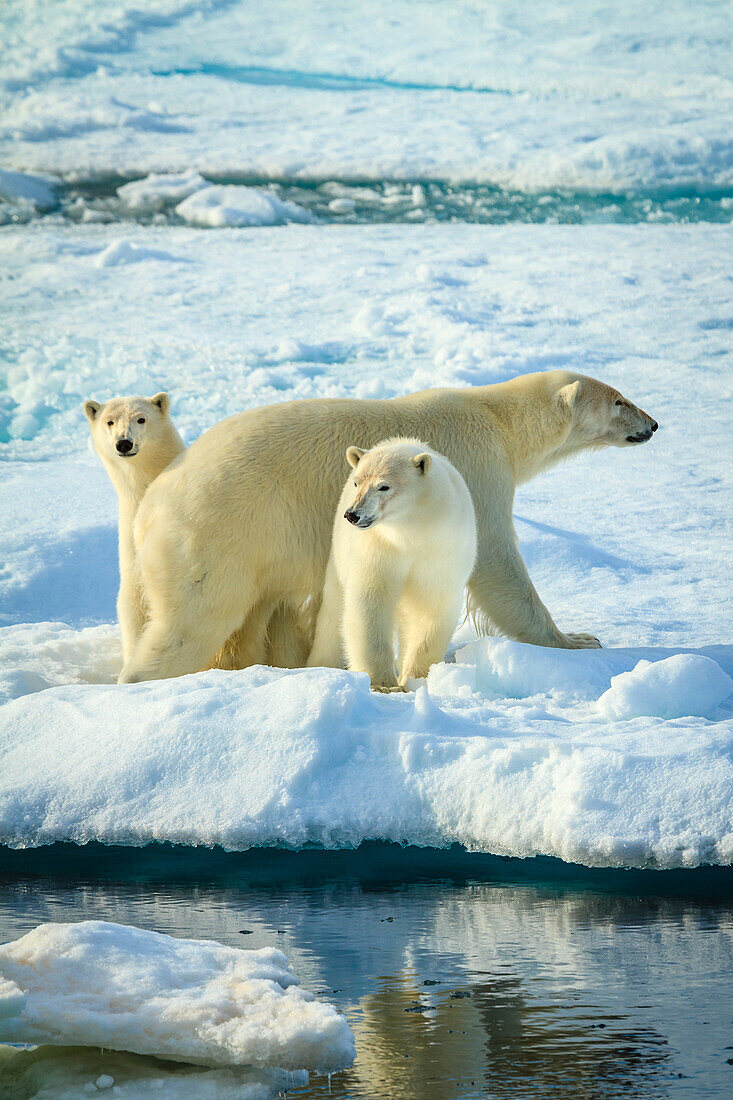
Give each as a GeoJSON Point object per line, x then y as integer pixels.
{"type": "Point", "coordinates": [123, 988]}
{"type": "Point", "coordinates": [607, 757]}
{"type": "Point", "coordinates": [591, 756]}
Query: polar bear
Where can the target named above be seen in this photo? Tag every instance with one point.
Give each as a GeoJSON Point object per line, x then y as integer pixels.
{"type": "Point", "coordinates": [136, 440]}
{"type": "Point", "coordinates": [403, 547]}
{"type": "Point", "coordinates": [242, 521]}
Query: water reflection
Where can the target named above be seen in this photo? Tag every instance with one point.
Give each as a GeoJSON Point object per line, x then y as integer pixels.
{"type": "Point", "coordinates": [68, 1073]}
{"type": "Point", "coordinates": [461, 976]}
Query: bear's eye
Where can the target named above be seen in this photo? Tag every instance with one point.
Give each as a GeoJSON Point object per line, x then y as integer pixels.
{"type": "Point", "coordinates": [618, 402]}
{"type": "Point", "coordinates": [110, 423]}
{"type": "Point", "coordinates": [383, 488]}
{"type": "Point", "coordinates": [141, 420]}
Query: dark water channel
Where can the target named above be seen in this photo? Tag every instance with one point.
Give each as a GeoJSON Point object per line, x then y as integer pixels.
{"type": "Point", "coordinates": [461, 975]}
{"type": "Point", "coordinates": [414, 202]}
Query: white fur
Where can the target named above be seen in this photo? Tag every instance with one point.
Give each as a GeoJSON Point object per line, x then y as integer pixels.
{"type": "Point", "coordinates": [402, 567]}
{"type": "Point", "coordinates": [242, 522]}
{"type": "Point", "coordinates": [143, 422]}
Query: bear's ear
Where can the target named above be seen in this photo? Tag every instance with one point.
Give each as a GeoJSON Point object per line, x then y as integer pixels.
{"type": "Point", "coordinates": [91, 408]}
{"type": "Point", "coordinates": [163, 401]}
{"type": "Point", "coordinates": [568, 395]}
{"type": "Point", "coordinates": [354, 455]}
{"type": "Point", "coordinates": [423, 462]}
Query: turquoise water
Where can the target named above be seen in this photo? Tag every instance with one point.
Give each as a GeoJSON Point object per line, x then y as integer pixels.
{"type": "Point", "coordinates": [462, 975]}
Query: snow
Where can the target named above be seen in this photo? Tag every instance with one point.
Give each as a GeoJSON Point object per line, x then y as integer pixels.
{"type": "Point", "coordinates": [216, 207]}
{"type": "Point", "coordinates": [118, 987]}
{"type": "Point", "coordinates": [684, 684]}
{"type": "Point", "coordinates": [264, 756]}
{"type": "Point", "coordinates": [535, 97]}
{"type": "Point", "coordinates": [596, 756]}
{"type": "Point", "coordinates": [128, 252]}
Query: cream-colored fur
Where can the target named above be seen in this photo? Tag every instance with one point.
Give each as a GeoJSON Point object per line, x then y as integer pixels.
{"type": "Point", "coordinates": [141, 427]}
{"type": "Point", "coordinates": [244, 518]}
{"type": "Point", "coordinates": [403, 547]}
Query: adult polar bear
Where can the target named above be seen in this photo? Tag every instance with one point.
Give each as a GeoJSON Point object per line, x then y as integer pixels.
{"type": "Point", "coordinates": [241, 523]}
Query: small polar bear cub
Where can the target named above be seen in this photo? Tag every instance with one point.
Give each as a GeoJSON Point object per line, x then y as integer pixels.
{"type": "Point", "coordinates": [404, 546]}
{"type": "Point", "coordinates": [136, 440]}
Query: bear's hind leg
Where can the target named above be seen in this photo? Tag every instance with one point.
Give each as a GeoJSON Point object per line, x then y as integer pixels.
{"type": "Point", "coordinates": [289, 636]}
{"type": "Point", "coordinates": [175, 646]}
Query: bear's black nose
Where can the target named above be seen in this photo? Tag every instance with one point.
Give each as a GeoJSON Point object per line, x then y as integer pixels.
{"type": "Point", "coordinates": [124, 446]}
{"type": "Point", "coordinates": [654, 426]}
{"type": "Point", "coordinates": [351, 516]}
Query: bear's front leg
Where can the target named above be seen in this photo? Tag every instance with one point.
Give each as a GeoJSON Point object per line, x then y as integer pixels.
{"type": "Point", "coordinates": [502, 595]}
{"type": "Point", "coordinates": [131, 615]}
{"type": "Point", "coordinates": [368, 632]}
{"type": "Point", "coordinates": [426, 638]}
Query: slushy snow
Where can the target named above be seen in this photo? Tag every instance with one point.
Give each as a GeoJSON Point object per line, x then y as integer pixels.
{"type": "Point", "coordinates": [123, 988]}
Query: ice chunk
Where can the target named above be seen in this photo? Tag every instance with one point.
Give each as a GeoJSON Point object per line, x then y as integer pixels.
{"type": "Point", "coordinates": [681, 686]}
{"type": "Point", "coordinates": [218, 206]}
{"type": "Point", "coordinates": [159, 190]}
{"type": "Point", "coordinates": [124, 988]}
{"type": "Point", "coordinates": [36, 191]}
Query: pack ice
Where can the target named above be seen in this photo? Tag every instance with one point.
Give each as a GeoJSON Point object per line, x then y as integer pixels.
{"type": "Point", "coordinates": [109, 985]}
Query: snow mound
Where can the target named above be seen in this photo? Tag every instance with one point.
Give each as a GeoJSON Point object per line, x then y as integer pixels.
{"type": "Point", "coordinates": [221, 205]}
{"type": "Point", "coordinates": [114, 986]}
{"type": "Point", "coordinates": [127, 252]}
{"type": "Point", "coordinates": [677, 687]}
{"type": "Point", "coordinates": [44, 655]}
{"type": "Point", "coordinates": [310, 756]}
{"type": "Point", "coordinates": [158, 190]}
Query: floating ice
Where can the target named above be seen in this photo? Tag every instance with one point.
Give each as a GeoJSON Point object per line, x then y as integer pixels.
{"type": "Point", "coordinates": [158, 190]}
{"type": "Point", "coordinates": [38, 191]}
{"type": "Point", "coordinates": [218, 206]}
{"type": "Point", "coordinates": [123, 988]}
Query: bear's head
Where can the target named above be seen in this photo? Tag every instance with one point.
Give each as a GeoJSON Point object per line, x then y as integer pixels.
{"type": "Point", "coordinates": [603, 417]}
{"type": "Point", "coordinates": [388, 480]}
{"type": "Point", "coordinates": [125, 427]}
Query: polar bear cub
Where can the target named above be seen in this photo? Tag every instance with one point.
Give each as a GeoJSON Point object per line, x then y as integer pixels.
{"type": "Point", "coordinates": [404, 546]}
{"type": "Point", "coordinates": [136, 440]}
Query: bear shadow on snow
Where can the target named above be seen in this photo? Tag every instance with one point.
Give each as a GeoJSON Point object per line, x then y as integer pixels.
{"type": "Point", "coordinates": [76, 583]}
